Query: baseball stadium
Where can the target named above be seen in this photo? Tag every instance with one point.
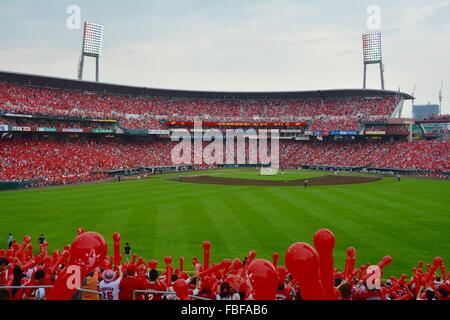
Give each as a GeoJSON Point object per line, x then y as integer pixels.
{"type": "Point", "coordinates": [89, 177]}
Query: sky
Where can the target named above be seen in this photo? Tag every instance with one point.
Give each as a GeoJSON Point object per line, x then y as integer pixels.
{"type": "Point", "coordinates": [230, 45]}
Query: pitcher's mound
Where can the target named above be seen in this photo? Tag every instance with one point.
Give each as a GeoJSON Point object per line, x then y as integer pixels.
{"type": "Point", "coordinates": [317, 181]}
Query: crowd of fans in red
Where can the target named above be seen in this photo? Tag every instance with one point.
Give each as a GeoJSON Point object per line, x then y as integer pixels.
{"type": "Point", "coordinates": [327, 124]}
{"type": "Point", "coordinates": [22, 274]}
{"type": "Point", "coordinates": [418, 155]}
{"type": "Point", "coordinates": [145, 112]}
{"type": "Point", "coordinates": [63, 162]}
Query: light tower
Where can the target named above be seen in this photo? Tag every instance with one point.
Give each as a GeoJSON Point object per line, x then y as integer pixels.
{"type": "Point", "coordinates": [372, 54]}
{"type": "Point", "coordinates": [440, 97]}
{"type": "Point", "coordinates": [91, 47]}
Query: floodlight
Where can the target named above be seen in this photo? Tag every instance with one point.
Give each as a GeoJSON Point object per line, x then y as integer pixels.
{"type": "Point", "coordinates": [372, 54]}
{"type": "Point", "coordinates": [91, 47]}
{"type": "Point", "coordinates": [92, 39]}
{"type": "Point", "coordinates": [372, 47]}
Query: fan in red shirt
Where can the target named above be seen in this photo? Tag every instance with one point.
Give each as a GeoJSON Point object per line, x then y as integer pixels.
{"type": "Point", "coordinates": [131, 283]}
{"type": "Point", "coordinates": [38, 279]}
{"type": "Point", "coordinates": [4, 271]}
{"type": "Point", "coordinates": [206, 288]}
{"type": "Point", "coordinates": [154, 284]}
{"type": "Point", "coordinates": [284, 292]}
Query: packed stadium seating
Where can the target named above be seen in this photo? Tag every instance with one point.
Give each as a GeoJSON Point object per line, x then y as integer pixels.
{"type": "Point", "coordinates": [62, 162]}
{"type": "Point", "coordinates": [69, 160]}
{"type": "Point", "coordinates": [23, 274]}
{"type": "Point", "coordinates": [418, 155]}
{"type": "Point", "coordinates": [56, 102]}
{"type": "Point", "coordinates": [327, 124]}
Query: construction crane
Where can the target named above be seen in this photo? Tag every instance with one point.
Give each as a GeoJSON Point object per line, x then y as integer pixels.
{"type": "Point", "coordinates": [440, 98]}
{"type": "Point", "coordinates": [413, 93]}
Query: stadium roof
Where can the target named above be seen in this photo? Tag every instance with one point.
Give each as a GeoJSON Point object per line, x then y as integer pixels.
{"type": "Point", "coordinates": [99, 87]}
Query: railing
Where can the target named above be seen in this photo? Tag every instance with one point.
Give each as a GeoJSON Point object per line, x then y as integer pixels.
{"type": "Point", "coordinates": [98, 292]}
{"type": "Point", "coordinates": [47, 287]}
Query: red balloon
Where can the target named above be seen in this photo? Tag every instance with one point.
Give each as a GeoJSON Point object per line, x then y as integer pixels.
{"type": "Point", "coordinates": [385, 261]}
{"type": "Point", "coordinates": [153, 264]}
{"type": "Point", "coordinates": [236, 265]}
{"type": "Point", "coordinates": [250, 257]}
{"type": "Point", "coordinates": [264, 279]}
{"type": "Point", "coordinates": [236, 282]}
{"type": "Point", "coordinates": [303, 263]}
{"type": "Point", "coordinates": [226, 265]}
{"type": "Point", "coordinates": [349, 262]}
{"type": "Point", "coordinates": [106, 264]}
{"type": "Point", "coordinates": [324, 242]}
{"type": "Point", "coordinates": [87, 252]}
{"type": "Point", "coordinates": [169, 270]}
{"type": "Point", "coordinates": [181, 264]}
{"type": "Point", "coordinates": [168, 260]}
{"type": "Point", "coordinates": [181, 289]}
{"type": "Point", "coordinates": [437, 262]}
{"type": "Point", "coordinates": [275, 257]}
{"type": "Point", "coordinates": [206, 254]}
{"type": "Point", "coordinates": [117, 256]}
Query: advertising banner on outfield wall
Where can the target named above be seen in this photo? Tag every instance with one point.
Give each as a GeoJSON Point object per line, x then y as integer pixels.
{"type": "Point", "coordinates": [166, 132]}
{"type": "Point", "coordinates": [76, 130]}
{"type": "Point", "coordinates": [290, 131]}
{"type": "Point", "coordinates": [318, 133]}
{"type": "Point", "coordinates": [3, 127]}
{"type": "Point", "coordinates": [343, 133]}
{"type": "Point", "coordinates": [18, 115]}
{"type": "Point", "coordinates": [41, 129]}
{"type": "Point", "coordinates": [15, 128]}
{"type": "Point", "coordinates": [376, 133]}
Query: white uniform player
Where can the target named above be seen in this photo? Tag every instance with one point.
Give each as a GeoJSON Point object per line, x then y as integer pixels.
{"type": "Point", "coordinates": [110, 287]}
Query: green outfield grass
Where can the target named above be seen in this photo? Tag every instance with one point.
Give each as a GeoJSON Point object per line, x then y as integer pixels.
{"type": "Point", "coordinates": [409, 220]}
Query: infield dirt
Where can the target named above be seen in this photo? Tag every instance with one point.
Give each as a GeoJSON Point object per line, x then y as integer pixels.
{"type": "Point", "coordinates": [316, 181]}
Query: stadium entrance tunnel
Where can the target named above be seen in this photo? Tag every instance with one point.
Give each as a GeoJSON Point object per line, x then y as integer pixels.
{"type": "Point", "coordinates": [316, 181]}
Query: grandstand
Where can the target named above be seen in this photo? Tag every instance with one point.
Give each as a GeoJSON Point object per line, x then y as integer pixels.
{"type": "Point", "coordinates": [59, 131]}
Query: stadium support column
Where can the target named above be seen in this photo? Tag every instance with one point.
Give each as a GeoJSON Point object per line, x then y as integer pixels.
{"type": "Point", "coordinates": [382, 75]}
{"type": "Point", "coordinates": [365, 76]}
{"type": "Point", "coordinates": [97, 61]}
{"type": "Point", "coordinates": [410, 136]}
{"type": "Point", "coordinates": [80, 67]}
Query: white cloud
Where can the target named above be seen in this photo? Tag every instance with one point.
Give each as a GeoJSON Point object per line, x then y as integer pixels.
{"type": "Point", "coordinates": [413, 16]}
